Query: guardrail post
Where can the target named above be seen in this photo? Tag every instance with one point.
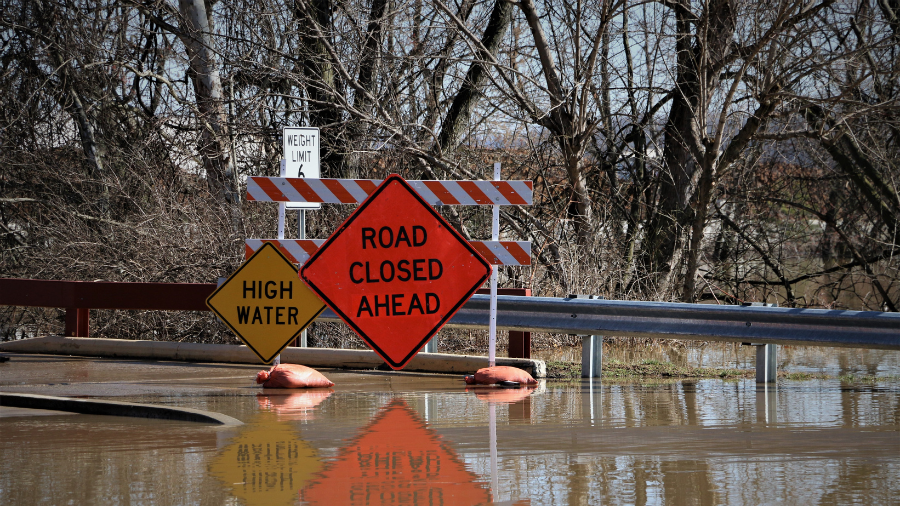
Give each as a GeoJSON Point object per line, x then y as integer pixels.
{"type": "Point", "coordinates": [431, 345]}
{"type": "Point", "coordinates": [519, 344]}
{"type": "Point", "coordinates": [766, 355]}
{"type": "Point", "coordinates": [591, 348]}
{"type": "Point", "coordinates": [78, 322]}
{"type": "Point", "coordinates": [591, 356]}
{"type": "Point", "coordinates": [766, 363]}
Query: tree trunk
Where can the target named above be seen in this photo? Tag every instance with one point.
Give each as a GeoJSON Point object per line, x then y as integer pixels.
{"type": "Point", "coordinates": [467, 98]}
{"type": "Point", "coordinates": [682, 212]}
{"type": "Point", "coordinates": [682, 139]}
{"type": "Point", "coordinates": [322, 84]}
{"type": "Point", "coordinates": [215, 147]}
{"type": "Point", "coordinates": [568, 128]}
{"type": "Point", "coordinates": [370, 53]}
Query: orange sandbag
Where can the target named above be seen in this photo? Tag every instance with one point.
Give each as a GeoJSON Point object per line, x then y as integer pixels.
{"type": "Point", "coordinates": [292, 376]}
{"type": "Point", "coordinates": [496, 374]}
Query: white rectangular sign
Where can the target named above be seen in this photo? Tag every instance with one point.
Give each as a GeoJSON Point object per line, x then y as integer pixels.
{"type": "Point", "coordinates": [301, 155]}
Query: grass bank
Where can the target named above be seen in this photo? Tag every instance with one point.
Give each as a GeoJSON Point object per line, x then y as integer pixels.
{"type": "Point", "coordinates": [655, 369]}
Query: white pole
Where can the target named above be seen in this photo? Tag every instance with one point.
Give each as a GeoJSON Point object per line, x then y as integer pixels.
{"type": "Point", "coordinates": [495, 236]}
{"type": "Point", "coordinates": [301, 234]}
{"type": "Point", "coordinates": [281, 206]}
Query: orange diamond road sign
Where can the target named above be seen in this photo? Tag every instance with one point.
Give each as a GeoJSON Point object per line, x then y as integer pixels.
{"type": "Point", "coordinates": [395, 271]}
{"type": "Point", "coordinates": [265, 304]}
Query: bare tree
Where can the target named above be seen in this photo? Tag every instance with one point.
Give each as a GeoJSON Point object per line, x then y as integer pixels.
{"type": "Point", "coordinates": [725, 150]}
{"type": "Point", "coordinates": [197, 35]}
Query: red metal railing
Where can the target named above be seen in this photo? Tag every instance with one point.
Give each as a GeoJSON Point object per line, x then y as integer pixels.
{"type": "Point", "coordinates": [79, 297]}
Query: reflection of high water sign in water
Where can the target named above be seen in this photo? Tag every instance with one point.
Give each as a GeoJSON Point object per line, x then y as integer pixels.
{"type": "Point", "coordinates": [265, 303]}
{"type": "Point", "coordinates": [395, 271]}
{"type": "Point", "coordinates": [301, 157]}
{"type": "Point", "coordinates": [266, 463]}
{"type": "Point", "coordinates": [396, 459]}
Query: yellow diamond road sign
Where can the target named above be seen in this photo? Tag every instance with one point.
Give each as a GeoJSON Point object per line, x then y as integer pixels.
{"type": "Point", "coordinates": [265, 303]}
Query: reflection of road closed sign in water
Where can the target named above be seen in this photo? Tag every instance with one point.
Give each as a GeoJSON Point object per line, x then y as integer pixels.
{"type": "Point", "coordinates": [265, 303]}
{"type": "Point", "coordinates": [396, 459]}
{"type": "Point", "coordinates": [395, 271]}
{"type": "Point", "coordinates": [266, 463]}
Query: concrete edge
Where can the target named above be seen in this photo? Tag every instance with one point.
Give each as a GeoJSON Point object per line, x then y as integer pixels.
{"type": "Point", "coordinates": [228, 353]}
{"type": "Point", "coordinates": [115, 408]}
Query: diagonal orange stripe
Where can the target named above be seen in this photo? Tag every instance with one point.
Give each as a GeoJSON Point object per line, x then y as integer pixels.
{"type": "Point", "coordinates": [248, 251]}
{"type": "Point", "coordinates": [485, 252]}
{"type": "Point", "coordinates": [475, 192]}
{"type": "Point", "coordinates": [441, 193]}
{"type": "Point", "coordinates": [367, 185]}
{"type": "Point", "coordinates": [517, 252]}
{"type": "Point", "coordinates": [339, 191]}
{"type": "Point", "coordinates": [507, 191]}
{"type": "Point", "coordinates": [308, 246]}
{"type": "Point", "coordinates": [266, 185]}
{"type": "Point", "coordinates": [284, 250]}
{"type": "Point", "coordinates": [304, 189]}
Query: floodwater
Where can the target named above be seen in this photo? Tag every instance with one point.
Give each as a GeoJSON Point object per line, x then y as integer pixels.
{"type": "Point", "coordinates": [387, 438]}
{"type": "Point", "coordinates": [795, 359]}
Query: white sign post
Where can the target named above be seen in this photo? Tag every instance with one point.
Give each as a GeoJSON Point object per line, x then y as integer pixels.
{"type": "Point", "coordinates": [492, 323]}
{"type": "Point", "coordinates": [301, 159]}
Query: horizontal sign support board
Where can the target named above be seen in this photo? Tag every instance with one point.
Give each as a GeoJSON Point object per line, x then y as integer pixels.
{"type": "Point", "coordinates": [495, 252]}
{"type": "Point", "coordinates": [354, 191]}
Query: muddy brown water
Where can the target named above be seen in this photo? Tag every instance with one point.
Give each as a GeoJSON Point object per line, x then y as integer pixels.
{"type": "Point", "coordinates": [386, 438]}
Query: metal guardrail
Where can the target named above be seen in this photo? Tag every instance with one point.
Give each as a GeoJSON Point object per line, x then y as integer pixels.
{"type": "Point", "coordinates": [665, 320]}
{"type": "Point", "coordinates": [767, 325]}
{"type": "Point", "coordinates": [771, 325]}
